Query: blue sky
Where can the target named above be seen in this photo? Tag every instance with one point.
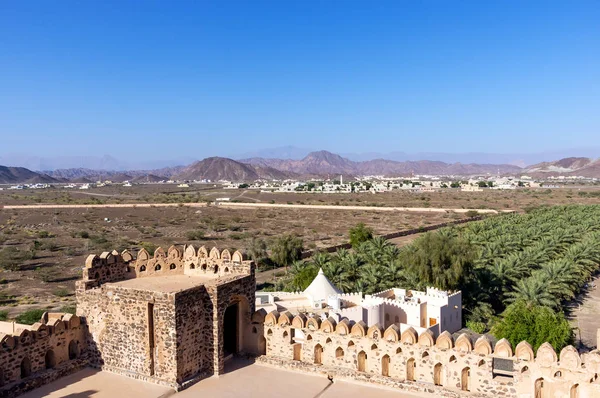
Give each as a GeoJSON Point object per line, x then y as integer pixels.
{"type": "Point", "coordinates": [194, 79]}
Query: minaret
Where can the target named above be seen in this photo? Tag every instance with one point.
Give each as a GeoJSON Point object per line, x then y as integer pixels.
{"type": "Point", "coordinates": [341, 179]}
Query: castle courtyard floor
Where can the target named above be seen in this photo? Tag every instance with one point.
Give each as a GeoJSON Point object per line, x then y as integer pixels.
{"type": "Point", "coordinates": [244, 380]}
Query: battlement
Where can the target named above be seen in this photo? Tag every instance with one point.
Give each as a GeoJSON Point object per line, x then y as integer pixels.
{"type": "Point", "coordinates": [400, 355]}
{"type": "Point", "coordinates": [45, 350]}
{"type": "Point", "coordinates": [114, 266]}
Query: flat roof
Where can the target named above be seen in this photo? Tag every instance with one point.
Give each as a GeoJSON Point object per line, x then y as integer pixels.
{"type": "Point", "coordinates": [166, 284]}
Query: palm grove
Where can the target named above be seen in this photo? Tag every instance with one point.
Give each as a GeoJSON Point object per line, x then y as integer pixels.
{"type": "Point", "coordinates": [518, 272]}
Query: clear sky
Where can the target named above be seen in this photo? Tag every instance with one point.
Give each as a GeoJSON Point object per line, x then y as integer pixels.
{"type": "Point", "coordinates": [200, 78]}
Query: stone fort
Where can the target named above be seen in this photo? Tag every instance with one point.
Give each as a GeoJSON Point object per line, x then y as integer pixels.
{"type": "Point", "coordinates": [175, 317]}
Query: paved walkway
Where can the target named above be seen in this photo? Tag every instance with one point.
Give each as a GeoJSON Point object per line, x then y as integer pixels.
{"type": "Point", "coordinates": [92, 383]}
{"type": "Point", "coordinates": [242, 380]}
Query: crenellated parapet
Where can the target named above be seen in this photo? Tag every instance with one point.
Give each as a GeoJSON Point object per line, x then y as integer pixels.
{"type": "Point", "coordinates": [114, 266]}
{"type": "Point", "coordinates": [464, 362]}
{"type": "Point", "coordinates": [31, 355]}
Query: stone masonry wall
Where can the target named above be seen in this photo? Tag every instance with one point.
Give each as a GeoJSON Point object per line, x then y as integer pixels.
{"type": "Point", "coordinates": [445, 366]}
{"type": "Point", "coordinates": [38, 354]}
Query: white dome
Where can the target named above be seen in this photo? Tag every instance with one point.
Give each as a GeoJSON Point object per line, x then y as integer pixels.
{"type": "Point", "coordinates": [321, 288]}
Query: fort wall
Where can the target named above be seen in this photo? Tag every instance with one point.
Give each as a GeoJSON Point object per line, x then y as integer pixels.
{"type": "Point", "coordinates": [414, 362]}
{"type": "Point", "coordinates": [31, 356]}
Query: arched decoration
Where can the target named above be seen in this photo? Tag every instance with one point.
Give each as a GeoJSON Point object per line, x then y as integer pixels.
{"type": "Point", "coordinates": [7, 341]}
{"type": "Point", "coordinates": [409, 336]}
{"type": "Point", "coordinates": [91, 261]}
{"type": "Point", "coordinates": [226, 270]}
{"type": "Point", "coordinates": [574, 391]}
{"type": "Point", "coordinates": [373, 347]}
{"type": "Point", "coordinates": [328, 341]}
{"type": "Point", "coordinates": [538, 388]}
{"type": "Point", "coordinates": [202, 252]}
{"type": "Point", "coordinates": [452, 359]}
{"type": "Point", "coordinates": [173, 266]}
{"type": "Point", "coordinates": [359, 329]}
{"type": "Point", "coordinates": [25, 336]}
{"type": "Point", "coordinates": [285, 335]}
{"type": "Point", "coordinates": [269, 332]}
{"type": "Point", "coordinates": [425, 354]}
{"type": "Point", "coordinates": [72, 321]}
{"type": "Point", "coordinates": [483, 346]}
{"type": "Point", "coordinates": [503, 349]}
{"type": "Point", "coordinates": [399, 350]}
{"type": "Point", "coordinates": [392, 333]}
{"type": "Point", "coordinates": [159, 253]}
{"type": "Point", "coordinates": [143, 255]}
{"type": "Point", "coordinates": [328, 325]}
{"type": "Point", "coordinates": [546, 355]}
{"type": "Point", "coordinates": [192, 266]}
{"type": "Point", "coordinates": [375, 332]}
{"type": "Point", "coordinates": [254, 330]}
{"type": "Point", "coordinates": [259, 316]}
{"type": "Point", "coordinates": [285, 319]}
{"type": "Point", "coordinates": [313, 323]}
{"type": "Point", "coordinates": [339, 353]}
{"type": "Point", "coordinates": [58, 326]}
{"type": "Point", "coordinates": [25, 368]}
{"type": "Point", "coordinates": [40, 330]}
{"type": "Point", "coordinates": [524, 351]}
{"type": "Point", "coordinates": [343, 327]}
{"type": "Point", "coordinates": [190, 252]}
{"type": "Point", "coordinates": [214, 254]}
{"type": "Point", "coordinates": [299, 321]}
{"type": "Point", "coordinates": [216, 269]}
{"type": "Point", "coordinates": [426, 339]}
{"type": "Point", "coordinates": [444, 341]}
{"type": "Point", "coordinates": [174, 252]}
{"type": "Point", "coordinates": [204, 266]}
{"type": "Point", "coordinates": [271, 318]}
{"type": "Point", "coordinates": [142, 268]}
{"type": "Point", "coordinates": [50, 359]}
{"type": "Point", "coordinates": [237, 257]}
{"type": "Point", "coordinates": [558, 374]}
{"type": "Point", "coordinates": [126, 256]}
{"type": "Point", "coordinates": [481, 363]}
{"type": "Point", "coordinates": [524, 370]}
{"type": "Point", "coordinates": [350, 344]}
{"type": "Point", "coordinates": [73, 349]}
{"type": "Point", "coordinates": [226, 255]}
{"type": "Point", "coordinates": [297, 352]}
{"type": "Point", "coordinates": [569, 358]}
{"type": "Point", "coordinates": [308, 338]}
{"type": "Point", "coordinates": [463, 343]}
{"type": "Point", "coordinates": [157, 267]}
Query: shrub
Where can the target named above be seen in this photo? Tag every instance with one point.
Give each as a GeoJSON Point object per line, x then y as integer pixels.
{"type": "Point", "coordinates": [3, 315]}
{"type": "Point", "coordinates": [360, 233]}
{"type": "Point", "coordinates": [477, 327]}
{"type": "Point", "coordinates": [30, 317]}
{"type": "Point", "coordinates": [62, 292]}
{"type": "Point", "coordinates": [195, 235]}
{"type": "Point", "coordinates": [69, 309]}
{"type": "Point", "coordinates": [472, 213]}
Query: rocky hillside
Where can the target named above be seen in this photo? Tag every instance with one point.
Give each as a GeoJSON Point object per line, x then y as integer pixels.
{"type": "Point", "coordinates": [12, 175]}
{"type": "Point", "coordinates": [324, 163]}
{"type": "Point", "coordinates": [585, 167]}
{"type": "Point", "coordinates": [216, 168]}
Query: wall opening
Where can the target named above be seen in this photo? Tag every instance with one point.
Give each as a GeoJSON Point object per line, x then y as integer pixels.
{"type": "Point", "coordinates": [297, 352]}
{"type": "Point", "coordinates": [318, 354]}
{"type": "Point", "coordinates": [50, 359]}
{"type": "Point", "coordinates": [538, 389]}
{"type": "Point", "coordinates": [464, 379]}
{"type": "Point", "coordinates": [25, 368]}
{"type": "Point", "coordinates": [339, 353]}
{"type": "Point", "coordinates": [574, 392]}
{"type": "Point", "coordinates": [410, 369]}
{"type": "Point", "coordinates": [437, 374]}
{"type": "Point", "coordinates": [172, 266]}
{"type": "Point", "coordinates": [73, 350]}
{"type": "Point", "coordinates": [385, 366]}
{"type": "Point", "coordinates": [157, 267]}
{"type": "Point", "coordinates": [230, 329]}
{"type": "Point", "coordinates": [362, 361]}
{"type": "Point", "coordinates": [151, 336]}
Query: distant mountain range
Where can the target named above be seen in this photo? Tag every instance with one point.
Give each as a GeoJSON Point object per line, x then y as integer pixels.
{"type": "Point", "coordinates": [314, 164]}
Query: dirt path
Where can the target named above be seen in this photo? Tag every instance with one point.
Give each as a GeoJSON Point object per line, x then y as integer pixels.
{"type": "Point", "coordinates": [584, 316]}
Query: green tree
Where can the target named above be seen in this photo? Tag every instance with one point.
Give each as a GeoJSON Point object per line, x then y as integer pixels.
{"type": "Point", "coordinates": [360, 233]}
{"type": "Point", "coordinates": [534, 324]}
{"type": "Point", "coordinates": [286, 249]}
{"type": "Point", "coordinates": [257, 249]}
